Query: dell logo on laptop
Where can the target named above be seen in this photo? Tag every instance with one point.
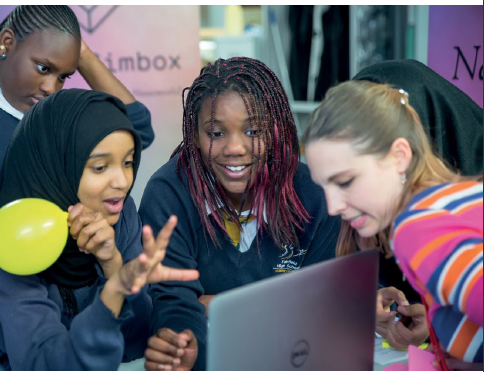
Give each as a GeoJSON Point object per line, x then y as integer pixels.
{"type": "Point", "coordinates": [300, 354]}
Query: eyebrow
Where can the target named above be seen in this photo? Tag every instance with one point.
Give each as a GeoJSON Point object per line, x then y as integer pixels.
{"type": "Point", "coordinates": [53, 65]}
{"type": "Point", "coordinates": [96, 156]}
{"type": "Point", "coordinates": [220, 122]}
{"type": "Point", "coordinates": [333, 177]}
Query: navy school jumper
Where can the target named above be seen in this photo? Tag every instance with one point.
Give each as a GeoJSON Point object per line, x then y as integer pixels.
{"type": "Point", "coordinates": [175, 304]}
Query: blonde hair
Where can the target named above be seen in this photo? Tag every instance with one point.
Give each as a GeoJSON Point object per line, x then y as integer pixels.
{"type": "Point", "coordinates": [372, 116]}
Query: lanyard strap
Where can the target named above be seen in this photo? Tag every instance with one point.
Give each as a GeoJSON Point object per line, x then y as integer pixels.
{"type": "Point", "coordinates": [434, 340]}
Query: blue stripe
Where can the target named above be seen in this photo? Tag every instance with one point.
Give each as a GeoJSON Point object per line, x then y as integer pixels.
{"type": "Point", "coordinates": [455, 203]}
{"type": "Point", "coordinates": [463, 280]}
{"type": "Point", "coordinates": [407, 215]}
{"type": "Point", "coordinates": [478, 357]}
{"type": "Point", "coordinates": [422, 195]}
{"type": "Point", "coordinates": [432, 284]}
{"type": "Point", "coordinates": [445, 322]}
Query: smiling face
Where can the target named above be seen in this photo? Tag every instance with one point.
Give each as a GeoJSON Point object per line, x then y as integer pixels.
{"type": "Point", "coordinates": [108, 175]}
{"type": "Point", "coordinates": [233, 138]}
{"type": "Point", "coordinates": [363, 189]}
{"type": "Point", "coordinates": [37, 66]}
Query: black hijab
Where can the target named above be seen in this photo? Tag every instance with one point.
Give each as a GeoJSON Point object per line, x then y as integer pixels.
{"type": "Point", "coordinates": [451, 119]}
{"type": "Point", "coordinates": [46, 159]}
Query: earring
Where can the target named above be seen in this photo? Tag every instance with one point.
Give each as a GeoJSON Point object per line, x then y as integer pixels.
{"type": "Point", "coordinates": [404, 178]}
{"type": "Point", "coordinates": [4, 54]}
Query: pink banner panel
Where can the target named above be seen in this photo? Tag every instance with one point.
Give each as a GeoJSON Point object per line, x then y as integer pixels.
{"type": "Point", "coordinates": [154, 52]}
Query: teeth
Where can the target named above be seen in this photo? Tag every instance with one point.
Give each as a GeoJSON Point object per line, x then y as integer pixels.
{"type": "Point", "coordinates": [236, 169]}
{"type": "Point", "coordinates": [356, 219]}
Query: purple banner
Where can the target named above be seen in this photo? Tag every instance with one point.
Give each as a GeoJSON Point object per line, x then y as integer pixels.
{"type": "Point", "coordinates": [455, 46]}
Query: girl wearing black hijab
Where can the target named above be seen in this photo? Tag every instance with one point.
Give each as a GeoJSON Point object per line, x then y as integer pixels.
{"type": "Point", "coordinates": [451, 119]}
{"type": "Point", "coordinates": [90, 309]}
{"type": "Point", "coordinates": [453, 122]}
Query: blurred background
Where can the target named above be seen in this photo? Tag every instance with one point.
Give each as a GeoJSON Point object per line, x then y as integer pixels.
{"type": "Point", "coordinates": [313, 47]}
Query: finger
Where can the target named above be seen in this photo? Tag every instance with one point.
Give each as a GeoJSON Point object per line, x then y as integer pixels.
{"type": "Point", "coordinates": [153, 366]}
{"type": "Point", "coordinates": [101, 236]}
{"type": "Point", "coordinates": [404, 333]}
{"type": "Point", "coordinates": [149, 245]}
{"type": "Point", "coordinates": [382, 331]}
{"type": "Point", "coordinates": [187, 335]}
{"type": "Point", "coordinates": [396, 344]}
{"type": "Point", "coordinates": [182, 275]}
{"type": "Point", "coordinates": [175, 339]}
{"type": "Point", "coordinates": [140, 273]}
{"type": "Point", "coordinates": [383, 302]}
{"type": "Point", "coordinates": [76, 210]}
{"type": "Point", "coordinates": [415, 310]}
{"type": "Point", "coordinates": [397, 339]}
{"type": "Point", "coordinates": [161, 358]}
{"type": "Point", "coordinates": [90, 230]}
{"type": "Point", "coordinates": [166, 347]}
{"type": "Point", "coordinates": [190, 338]}
{"type": "Point", "coordinates": [385, 316]}
{"type": "Point", "coordinates": [393, 294]}
{"type": "Point", "coordinates": [164, 235]}
{"type": "Point", "coordinates": [80, 222]}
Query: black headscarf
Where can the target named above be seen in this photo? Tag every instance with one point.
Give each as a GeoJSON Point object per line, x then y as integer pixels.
{"type": "Point", "coordinates": [451, 119]}
{"type": "Point", "coordinates": [46, 159]}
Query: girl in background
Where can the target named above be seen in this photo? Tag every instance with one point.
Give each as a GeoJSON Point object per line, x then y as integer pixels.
{"type": "Point", "coordinates": [365, 145]}
{"type": "Point", "coordinates": [41, 47]}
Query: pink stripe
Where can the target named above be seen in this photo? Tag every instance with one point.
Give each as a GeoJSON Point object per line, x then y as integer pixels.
{"type": "Point", "coordinates": [474, 303]}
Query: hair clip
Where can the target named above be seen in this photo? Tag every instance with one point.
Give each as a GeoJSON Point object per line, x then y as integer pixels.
{"type": "Point", "coordinates": [402, 100]}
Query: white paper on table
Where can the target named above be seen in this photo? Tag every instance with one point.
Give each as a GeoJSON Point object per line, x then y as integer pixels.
{"type": "Point", "coordinates": [385, 356]}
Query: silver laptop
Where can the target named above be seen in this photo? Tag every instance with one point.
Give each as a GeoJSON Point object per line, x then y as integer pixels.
{"type": "Point", "coordinates": [319, 318]}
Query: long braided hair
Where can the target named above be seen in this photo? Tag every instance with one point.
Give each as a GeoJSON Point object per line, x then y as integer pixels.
{"type": "Point", "coordinates": [24, 20]}
{"type": "Point", "coordinates": [272, 191]}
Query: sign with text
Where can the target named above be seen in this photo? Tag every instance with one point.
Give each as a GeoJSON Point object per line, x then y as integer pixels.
{"type": "Point", "coordinates": [154, 52]}
{"type": "Point", "coordinates": [455, 46]}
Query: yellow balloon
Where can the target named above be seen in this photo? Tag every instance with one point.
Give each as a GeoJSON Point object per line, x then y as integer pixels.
{"type": "Point", "coordinates": [33, 234]}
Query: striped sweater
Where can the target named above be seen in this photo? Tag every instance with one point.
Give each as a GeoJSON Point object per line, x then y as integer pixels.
{"type": "Point", "coordinates": [437, 241]}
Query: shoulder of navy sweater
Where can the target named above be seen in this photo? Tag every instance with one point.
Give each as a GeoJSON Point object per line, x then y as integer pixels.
{"type": "Point", "coordinates": [137, 107]}
{"type": "Point", "coordinates": [7, 119]}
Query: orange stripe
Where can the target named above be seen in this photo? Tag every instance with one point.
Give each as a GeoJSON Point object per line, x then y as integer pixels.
{"type": "Point", "coordinates": [422, 218]}
{"type": "Point", "coordinates": [463, 339]}
{"type": "Point", "coordinates": [458, 266]}
{"type": "Point", "coordinates": [469, 288]}
{"type": "Point", "coordinates": [433, 245]}
{"type": "Point", "coordinates": [469, 207]}
{"type": "Point", "coordinates": [443, 193]}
